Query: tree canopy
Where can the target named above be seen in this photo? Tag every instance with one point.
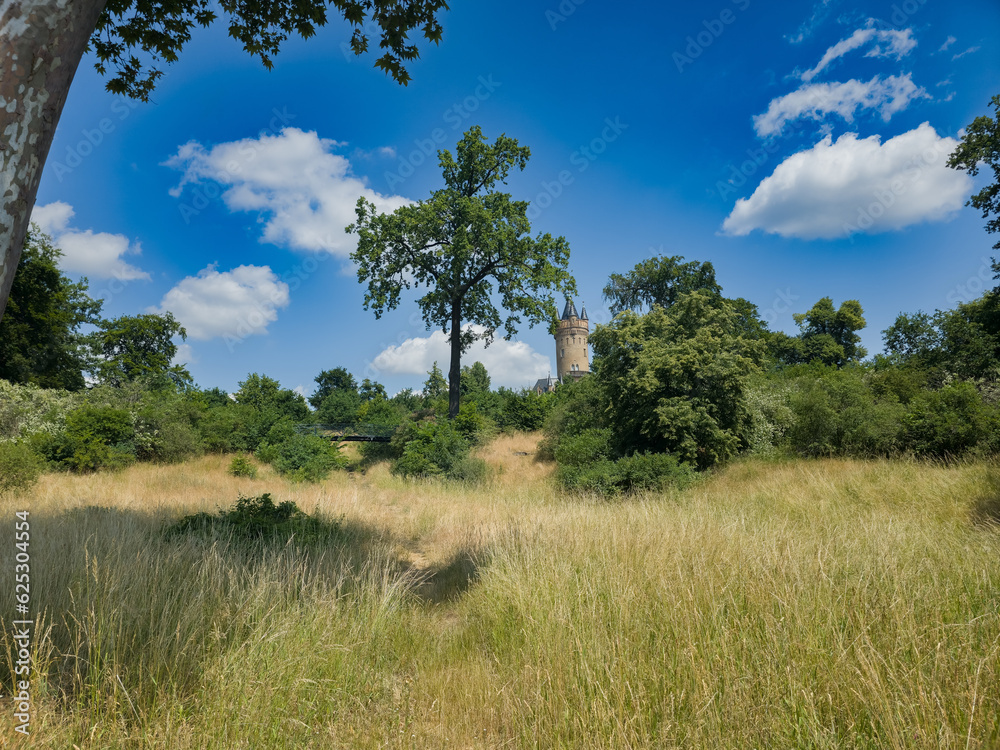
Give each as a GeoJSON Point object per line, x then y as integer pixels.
{"type": "Point", "coordinates": [40, 338]}
{"type": "Point", "coordinates": [659, 281]}
{"type": "Point", "coordinates": [981, 145]}
{"type": "Point", "coordinates": [133, 346]}
{"type": "Point", "coordinates": [469, 246]}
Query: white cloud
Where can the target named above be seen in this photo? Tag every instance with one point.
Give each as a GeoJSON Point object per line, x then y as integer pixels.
{"type": "Point", "coordinates": [89, 253]}
{"type": "Point", "coordinates": [969, 51]}
{"type": "Point", "coordinates": [819, 14]}
{"type": "Point", "coordinates": [853, 184]}
{"type": "Point", "coordinates": [816, 100]}
{"type": "Point", "coordinates": [234, 304]}
{"type": "Point", "coordinates": [887, 43]}
{"type": "Point", "coordinates": [304, 193]}
{"type": "Point", "coordinates": [184, 355]}
{"type": "Point", "coordinates": [947, 43]}
{"type": "Point", "coordinates": [513, 364]}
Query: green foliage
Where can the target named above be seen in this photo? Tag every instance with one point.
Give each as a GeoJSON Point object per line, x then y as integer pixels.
{"type": "Point", "coordinates": [20, 467]}
{"type": "Point", "coordinates": [470, 469]}
{"type": "Point", "coordinates": [577, 406]}
{"type": "Point", "coordinates": [837, 413]}
{"type": "Point", "coordinates": [981, 145]}
{"type": "Point", "coordinates": [134, 346]}
{"type": "Point", "coordinates": [470, 246]}
{"type": "Point", "coordinates": [642, 472]}
{"type": "Point", "coordinates": [522, 411]}
{"type": "Point", "coordinates": [258, 519]}
{"type": "Point", "coordinates": [770, 415]}
{"type": "Point", "coordinates": [435, 386]}
{"type": "Point", "coordinates": [950, 422]}
{"type": "Point", "coordinates": [95, 437]}
{"type": "Point", "coordinates": [340, 407]}
{"type": "Point", "coordinates": [476, 428]}
{"type": "Point", "coordinates": [303, 458]}
{"type": "Point", "coordinates": [475, 380]}
{"type": "Point", "coordinates": [332, 381]}
{"type": "Point", "coordinates": [584, 447]}
{"type": "Point", "coordinates": [371, 390]}
{"type": "Point", "coordinates": [428, 447]}
{"type": "Point", "coordinates": [161, 29]}
{"type": "Point", "coordinates": [40, 342]}
{"type": "Point", "coordinates": [659, 281]}
{"type": "Point", "coordinates": [829, 335]}
{"type": "Point", "coordinates": [243, 466]}
{"type": "Point", "coordinates": [27, 409]}
{"type": "Point", "coordinates": [674, 380]}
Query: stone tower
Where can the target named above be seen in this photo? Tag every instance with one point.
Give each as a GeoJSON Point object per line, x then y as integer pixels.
{"type": "Point", "coordinates": [572, 359]}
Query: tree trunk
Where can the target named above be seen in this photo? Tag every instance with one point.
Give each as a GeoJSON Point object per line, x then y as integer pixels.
{"type": "Point", "coordinates": [41, 44]}
{"type": "Point", "coordinates": [455, 371]}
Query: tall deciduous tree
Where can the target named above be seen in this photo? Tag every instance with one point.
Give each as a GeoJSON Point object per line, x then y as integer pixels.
{"type": "Point", "coordinates": [466, 244]}
{"type": "Point", "coordinates": [659, 281]}
{"type": "Point", "coordinates": [42, 42]}
{"type": "Point", "coordinates": [981, 145]}
{"type": "Point", "coordinates": [830, 335]}
{"type": "Point", "coordinates": [133, 346]}
{"type": "Point", "coordinates": [40, 340]}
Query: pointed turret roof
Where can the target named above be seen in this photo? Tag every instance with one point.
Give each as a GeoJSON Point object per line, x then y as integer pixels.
{"type": "Point", "coordinates": [569, 311]}
{"type": "Point", "coordinates": [583, 312]}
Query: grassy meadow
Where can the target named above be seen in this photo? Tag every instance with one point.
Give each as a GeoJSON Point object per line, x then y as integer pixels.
{"type": "Point", "coordinates": [782, 604]}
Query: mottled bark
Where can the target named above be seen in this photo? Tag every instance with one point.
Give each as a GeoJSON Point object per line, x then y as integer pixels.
{"type": "Point", "coordinates": [41, 44]}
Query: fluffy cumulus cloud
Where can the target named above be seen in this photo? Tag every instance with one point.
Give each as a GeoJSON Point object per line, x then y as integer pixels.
{"type": "Point", "coordinates": [94, 254]}
{"type": "Point", "coordinates": [883, 43]}
{"type": "Point", "coordinates": [513, 364]}
{"type": "Point", "coordinates": [232, 304]}
{"type": "Point", "coordinates": [304, 193]}
{"type": "Point", "coordinates": [852, 185]}
{"type": "Point", "coordinates": [814, 101]}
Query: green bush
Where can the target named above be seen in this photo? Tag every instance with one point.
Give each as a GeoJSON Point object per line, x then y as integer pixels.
{"type": "Point", "coordinates": [258, 519]}
{"type": "Point", "coordinates": [470, 469]}
{"type": "Point", "coordinates": [950, 422]}
{"type": "Point", "coordinates": [241, 466]}
{"type": "Point", "coordinates": [643, 472]}
{"type": "Point", "coordinates": [584, 448]}
{"type": "Point", "coordinates": [303, 458]}
{"type": "Point", "coordinates": [474, 426]}
{"type": "Point", "coordinates": [20, 467]}
{"type": "Point", "coordinates": [429, 447]}
{"type": "Point", "coordinates": [95, 437]}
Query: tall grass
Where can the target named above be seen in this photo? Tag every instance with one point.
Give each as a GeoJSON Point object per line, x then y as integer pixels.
{"type": "Point", "coordinates": [823, 604]}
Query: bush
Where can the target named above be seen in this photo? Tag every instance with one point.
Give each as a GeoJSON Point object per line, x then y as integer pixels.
{"type": "Point", "coordinates": [584, 448]}
{"type": "Point", "coordinates": [430, 447]}
{"type": "Point", "coordinates": [950, 422]}
{"type": "Point", "coordinates": [95, 437]}
{"type": "Point", "coordinates": [303, 458]}
{"type": "Point", "coordinates": [643, 472]}
{"type": "Point", "coordinates": [470, 469]}
{"type": "Point", "coordinates": [241, 466]}
{"type": "Point", "coordinates": [258, 519]}
{"type": "Point", "coordinates": [20, 468]}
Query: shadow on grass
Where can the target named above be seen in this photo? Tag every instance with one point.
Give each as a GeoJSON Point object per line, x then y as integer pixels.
{"type": "Point", "coordinates": [986, 508]}
{"type": "Point", "coordinates": [447, 582]}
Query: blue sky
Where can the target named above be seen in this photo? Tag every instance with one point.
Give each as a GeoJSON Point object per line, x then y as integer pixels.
{"type": "Point", "coordinates": [799, 148]}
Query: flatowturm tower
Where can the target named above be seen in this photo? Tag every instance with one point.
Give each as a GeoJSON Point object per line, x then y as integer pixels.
{"type": "Point", "coordinates": [572, 357]}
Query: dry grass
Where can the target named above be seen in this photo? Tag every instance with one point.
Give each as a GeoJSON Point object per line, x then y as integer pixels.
{"type": "Point", "coordinates": [826, 604]}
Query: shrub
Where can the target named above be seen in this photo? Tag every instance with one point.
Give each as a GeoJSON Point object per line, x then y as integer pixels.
{"type": "Point", "coordinates": [643, 472]}
{"type": "Point", "coordinates": [470, 469]}
{"type": "Point", "coordinates": [476, 428]}
{"type": "Point", "coordinates": [241, 466]}
{"type": "Point", "coordinates": [950, 422]}
{"type": "Point", "coordinates": [258, 518]}
{"type": "Point", "coordinates": [20, 467]}
{"type": "Point", "coordinates": [303, 458]}
{"type": "Point", "coordinates": [584, 448]}
{"type": "Point", "coordinates": [430, 447]}
{"type": "Point", "coordinates": [95, 437]}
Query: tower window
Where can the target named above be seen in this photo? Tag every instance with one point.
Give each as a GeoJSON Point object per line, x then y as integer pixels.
{"type": "Point", "coordinates": [563, 353]}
